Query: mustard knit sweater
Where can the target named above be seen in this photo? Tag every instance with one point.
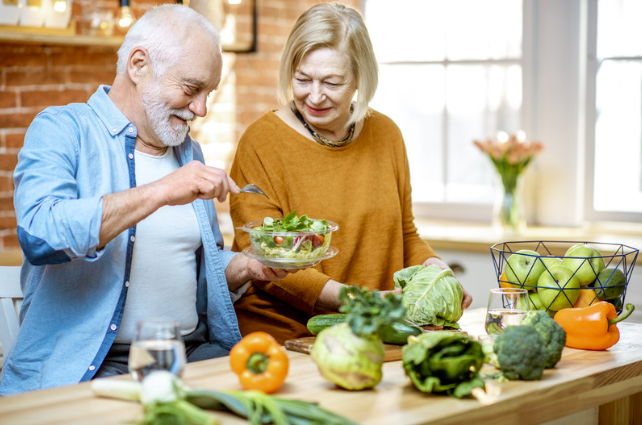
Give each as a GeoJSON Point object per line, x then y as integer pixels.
{"type": "Point", "coordinates": [364, 187]}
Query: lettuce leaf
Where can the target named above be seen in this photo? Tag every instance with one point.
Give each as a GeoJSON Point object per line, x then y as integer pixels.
{"type": "Point", "coordinates": [432, 296]}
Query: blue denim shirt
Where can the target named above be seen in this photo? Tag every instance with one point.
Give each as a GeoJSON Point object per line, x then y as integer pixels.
{"type": "Point", "coordinates": [75, 294]}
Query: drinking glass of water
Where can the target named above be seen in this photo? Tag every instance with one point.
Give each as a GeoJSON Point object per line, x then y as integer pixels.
{"type": "Point", "coordinates": [157, 345]}
{"type": "Point", "coordinates": [506, 307]}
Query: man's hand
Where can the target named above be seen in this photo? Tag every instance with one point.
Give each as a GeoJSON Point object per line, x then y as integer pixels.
{"type": "Point", "coordinates": [195, 180]}
{"type": "Point", "coordinates": [122, 210]}
{"type": "Point", "coordinates": [259, 271]}
{"type": "Point", "coordinates": [241, 269]}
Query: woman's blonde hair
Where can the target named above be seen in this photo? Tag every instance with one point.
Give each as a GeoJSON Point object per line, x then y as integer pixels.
{"type": "Point", "coordinates": [337, 27]}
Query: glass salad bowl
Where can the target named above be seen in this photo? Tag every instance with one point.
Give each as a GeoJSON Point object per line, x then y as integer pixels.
{"type": "Point", "coordinates": [291, 242]}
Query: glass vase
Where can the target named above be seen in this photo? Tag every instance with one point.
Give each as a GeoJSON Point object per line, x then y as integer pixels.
{"type": "Point", "coordinates": [509, 217]}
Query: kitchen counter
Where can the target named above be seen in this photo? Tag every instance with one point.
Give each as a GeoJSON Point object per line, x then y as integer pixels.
{"type": "Point", "coordinates": [586, 387]}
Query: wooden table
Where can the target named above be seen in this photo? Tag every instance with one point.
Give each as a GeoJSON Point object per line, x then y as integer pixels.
{"type": "Point", "coordinates": [584, 387]}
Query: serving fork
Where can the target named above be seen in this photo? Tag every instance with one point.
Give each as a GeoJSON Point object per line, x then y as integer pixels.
{"type": "Point", "coordinates": [251, 188]}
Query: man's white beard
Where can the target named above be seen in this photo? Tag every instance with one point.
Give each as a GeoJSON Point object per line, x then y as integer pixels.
{"type": "Point", "coordinates": [159, 116]}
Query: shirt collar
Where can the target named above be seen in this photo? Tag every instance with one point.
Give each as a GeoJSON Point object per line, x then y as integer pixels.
{"type": "Point", "coordinates": [113, 120]}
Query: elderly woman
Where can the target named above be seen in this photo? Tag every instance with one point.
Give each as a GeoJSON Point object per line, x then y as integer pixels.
{"type": "Point", "coordinates": [328, 157]}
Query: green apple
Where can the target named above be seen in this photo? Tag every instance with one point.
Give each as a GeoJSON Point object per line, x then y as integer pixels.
{"type": "Point", "coordinates": [558, 289]}
{"type": "Point", "coordinates": [610, 283]}
{"type": "Point", "coordinates": [533, 301]}
{"type": "Point", "coordinates": [586, 261]}
{"type": "Point", "coordinates": [551, 261]}
{"type": "Point", "coordinates": [523, 268]}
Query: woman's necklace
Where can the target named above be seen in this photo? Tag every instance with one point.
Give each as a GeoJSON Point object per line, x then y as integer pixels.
{"type": "Point", "coordinates": [322, 140]}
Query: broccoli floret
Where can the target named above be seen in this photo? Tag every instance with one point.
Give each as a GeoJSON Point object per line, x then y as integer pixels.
{"type": "Point", "coordinates": [489, 354]}
{"type": "Point", "coordinates": [521, 353]}
{"type": "Point", "coordinates": [551, 332]}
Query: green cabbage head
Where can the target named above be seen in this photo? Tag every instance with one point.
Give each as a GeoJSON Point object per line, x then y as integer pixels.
{"type": "Point", "coordinates": [351, 362]}
{"type": "Point", "coordinates": [432, 296]}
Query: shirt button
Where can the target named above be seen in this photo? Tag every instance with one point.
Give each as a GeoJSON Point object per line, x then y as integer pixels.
{"type": "Point", "coordinates": [131, 130]}
{"type": "Point", "coordinates": [132, 238]}
{"type": "Point", "coordinates": [127, 284]}
{"type": "Point", "coordinates": [92, 367]}
{"type": "Point", "coordinates": [113, 130]}
{"type": "Point", "coordinates": [131, 156]}
{"type": "Point", "coordinates": [112, 327]}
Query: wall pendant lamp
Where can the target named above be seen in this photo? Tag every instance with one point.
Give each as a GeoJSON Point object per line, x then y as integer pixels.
{"type": "Point", "coordinates": [234, 19]}
{"type": "Point", "coordinates": [126, 17]}
{"type": "Point", "coordinates": [60, 5]}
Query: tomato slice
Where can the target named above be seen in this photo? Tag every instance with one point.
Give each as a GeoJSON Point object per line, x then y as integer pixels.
{"type": "Point", "coordinates": [317, 240]}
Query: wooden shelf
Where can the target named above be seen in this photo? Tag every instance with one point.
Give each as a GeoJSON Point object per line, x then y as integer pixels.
{"type": "Point", "coordinates": [55, 37]}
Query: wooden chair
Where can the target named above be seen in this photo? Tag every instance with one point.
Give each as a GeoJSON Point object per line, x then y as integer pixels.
{"type": "Point", "coordinates": [10, 302]}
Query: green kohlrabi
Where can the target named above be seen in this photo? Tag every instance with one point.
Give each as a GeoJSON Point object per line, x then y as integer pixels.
{"type": "Point", "coordinates": [351, 354]}
{"type": "Point", "coordinates": [350, 361]}
{"type": "Point", "coordinates": [431, 295]}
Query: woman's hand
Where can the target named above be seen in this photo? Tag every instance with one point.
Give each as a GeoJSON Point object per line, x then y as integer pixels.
{"type": "Point", "coordinates": [392, 291]}
{"type": "Point", "coordinates": [468, 299]}
{"type": "Point", "coordinates": [329, 297]}
{"type": "Point", "coordinates": [437, 262]}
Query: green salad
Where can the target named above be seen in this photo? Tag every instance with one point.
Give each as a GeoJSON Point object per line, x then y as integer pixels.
{"type": "Point", "coordinates": [292, 237]}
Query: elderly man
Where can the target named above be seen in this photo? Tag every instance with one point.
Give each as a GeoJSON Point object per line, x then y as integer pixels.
{"type": "Point", "coordinates": [116, 216]}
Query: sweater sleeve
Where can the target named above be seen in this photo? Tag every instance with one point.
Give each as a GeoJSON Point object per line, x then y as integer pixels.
{"type": "Point", "coordinates": [258, 164]}
{"type": "Point", "coordinates": [416, 250]}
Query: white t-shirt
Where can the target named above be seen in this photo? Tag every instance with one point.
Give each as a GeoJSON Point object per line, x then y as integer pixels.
{"type": "Point", "coordinates": [163, 274]}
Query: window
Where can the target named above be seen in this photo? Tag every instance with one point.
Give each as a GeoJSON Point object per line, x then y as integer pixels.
{"type": "Point", "coordinates": [568, 73]}
{"type": "Point", "coordinates": [450, 73]}
{"type": "Point", "coordinates": [615, 73]}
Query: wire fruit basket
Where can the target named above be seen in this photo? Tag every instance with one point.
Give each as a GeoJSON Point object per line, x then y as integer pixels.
{"type": "Point", "coordinates": [565, 274]}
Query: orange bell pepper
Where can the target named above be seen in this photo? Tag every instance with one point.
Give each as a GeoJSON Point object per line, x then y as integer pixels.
{"type": "Point", "coordinates": [260, 362]}
{"type": "Point", "coordinates": [593, 327]}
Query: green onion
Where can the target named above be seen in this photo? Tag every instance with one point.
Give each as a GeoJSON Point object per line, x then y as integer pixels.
{"type": "Point", "coordinates": [260, 408]}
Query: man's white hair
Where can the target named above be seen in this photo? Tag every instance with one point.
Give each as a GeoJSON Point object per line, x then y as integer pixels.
{"type": "Point", "coordinates": [162, 31]}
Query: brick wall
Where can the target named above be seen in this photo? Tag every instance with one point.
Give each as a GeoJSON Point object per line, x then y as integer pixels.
{"type": "Point", "coordinates": [33, 77]}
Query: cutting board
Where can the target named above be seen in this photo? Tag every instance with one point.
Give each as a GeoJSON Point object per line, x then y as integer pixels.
{"type": "Point", "coordinates": [304, 345]}
{"type": "Point", "coordinates": [391, 352]}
